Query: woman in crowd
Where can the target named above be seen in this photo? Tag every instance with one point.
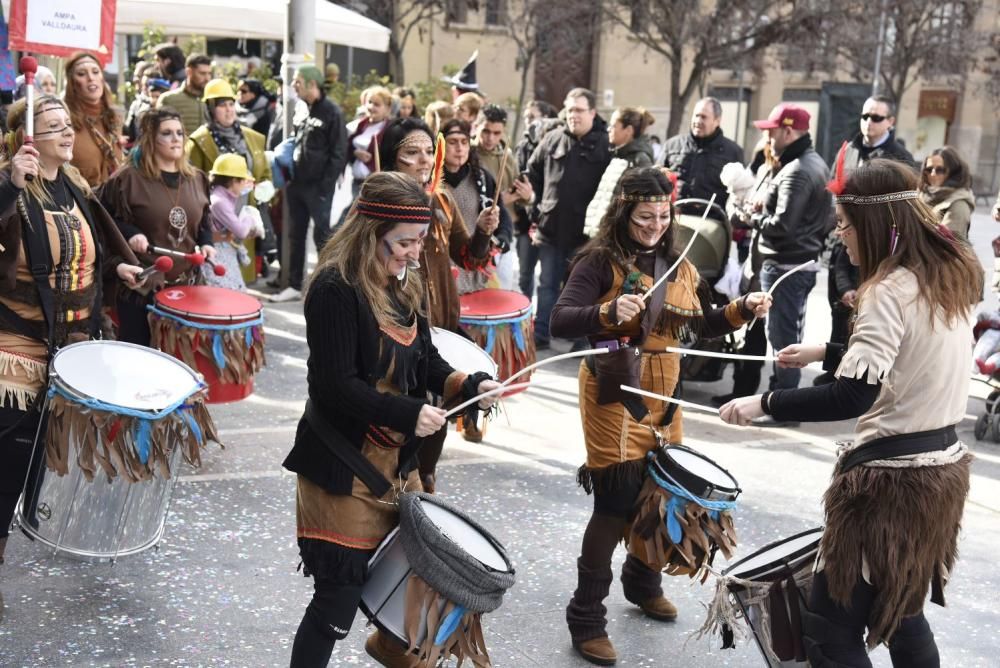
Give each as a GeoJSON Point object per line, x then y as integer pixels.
{"type": "Point", "coordinates": [232, 222]}
{"type": "Point", "coordinates": [626, 132]}
{"type": "Point", "coordinates": [946, 186]}
{"type": "Point", "coordinates": [45, 83]}
{"type": "Point", "coordinates": [370, 347]}
{"type": "Point", "coordinates": [407, 101]}
{"type": "Point", "coordinates": [255, 106]}
{"type": "Point", "coordinates": [364, 139]}
{"type": "Point", "coordinates": [905, 376]}
{"type": "Point", "coordinates": [97, 152]}
{"type": "Point", "coordinates": [407, 146]}
{"type": "Point", "coordinates": [225, 134]}
{"type": "Point", "coordinates": [436, 114]}
{"type": "Point", "coordinates": [159, 199]}
{"type": "Point", "coordinates": [604, 300]}
{"type": "Point", "coordinates": [55, 221]}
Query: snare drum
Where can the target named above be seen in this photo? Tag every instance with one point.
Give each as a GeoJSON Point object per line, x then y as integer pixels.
{"type": "Point", "coordinates": [393, 581]}
{"type": "Point", "coordinates": [499, 321]}
{"type": "Point", "coordinates": [119, 418]}
{"type": "Point", "coordinates": [780, 577]}
{"type": "Point", "coordinates": [684, 512]}
{"type": "Point", "coordinates": [461, 353]}
{"type": "Point", "coordinates": [217, 331]}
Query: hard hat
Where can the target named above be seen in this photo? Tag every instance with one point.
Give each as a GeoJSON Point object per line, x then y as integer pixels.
{"type": "Point", "coordinates": [218, 88]}
{"type": "Point", "coordinates": [230, 164]}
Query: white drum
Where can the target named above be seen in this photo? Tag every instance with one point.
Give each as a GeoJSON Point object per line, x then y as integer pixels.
{"type": "Point", "coordinates": [101, 395]}
{"type": "Point", "coordinates": [461, 353]}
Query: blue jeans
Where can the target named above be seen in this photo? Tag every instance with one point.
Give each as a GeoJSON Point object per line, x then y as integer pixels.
{"type": "Point", "coordinates": [527, 259]}
{"type": "Point", "coordinates": [555, 262]}
{"type": "Point", "coordinates": [787, 316]}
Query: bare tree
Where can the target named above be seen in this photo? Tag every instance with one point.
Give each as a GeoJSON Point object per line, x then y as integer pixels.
{"type": "Point", "coordinates": [696, 36]}
{"type": "Point", "coordinates": [402, 17]}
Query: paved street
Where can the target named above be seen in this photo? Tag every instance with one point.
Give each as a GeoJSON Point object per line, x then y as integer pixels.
{"type": "Point", "coordinates": [222, 589]}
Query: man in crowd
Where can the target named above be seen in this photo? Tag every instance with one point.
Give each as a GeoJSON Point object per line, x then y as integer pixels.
{"type": "Point", "coordinates": [698, 156]}
{"type": "Point", "coordinates": [792, 223]}
{"type": "Point", "coordinates": [319, 158]}
{"type": "Point", "coordinates": [565, 170]}
{"type": "Point", "coordinates": [186, 100]}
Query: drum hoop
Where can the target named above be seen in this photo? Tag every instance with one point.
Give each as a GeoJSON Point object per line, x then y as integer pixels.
{"type": "Point", "coordinates": [770, 567]}
{"type": "Point", "coordinates": [694, 483]}
{"type": "Point", "coordinates": [490, 538]}
{"type": "Point", "coordinates": [517, 316]}
{"type": "Point", "coordinates": [235, 319]}
{"type": "Point", "coordinates": [449, 335]}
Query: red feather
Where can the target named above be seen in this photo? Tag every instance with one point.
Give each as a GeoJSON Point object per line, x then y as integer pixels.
{"type": "Point", "coordinates": [836, 186]}
{"type": "Point", "coordinates": [438, 165]}
{"type": "Point", "coordinates": [672, 176]}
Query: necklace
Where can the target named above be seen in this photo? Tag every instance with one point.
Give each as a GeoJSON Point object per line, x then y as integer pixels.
{"type": "Point", "coordinates": [60, 194]}
{"type": "Point", "coordinates": [178, 216]}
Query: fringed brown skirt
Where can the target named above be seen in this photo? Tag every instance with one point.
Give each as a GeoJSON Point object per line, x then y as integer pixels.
{"type": "Point", "coordinates": [903, 523]}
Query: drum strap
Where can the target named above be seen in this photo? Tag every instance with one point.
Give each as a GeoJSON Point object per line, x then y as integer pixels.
{"type": "Point", "coordinates": [338, 446]}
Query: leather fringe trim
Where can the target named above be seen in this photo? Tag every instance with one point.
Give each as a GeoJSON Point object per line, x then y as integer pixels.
{"type": "Point", "coordinates": [609, 479]}
{"type": "Point", "coordinates": [186, 344]}
{"type": "Point", "coordinates": [466, 641]}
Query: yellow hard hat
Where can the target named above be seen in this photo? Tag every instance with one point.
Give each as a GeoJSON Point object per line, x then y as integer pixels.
{"type": "Point", "coordinates": [218, 88]}
{"type": "Point", "coordinates": [230, 164]}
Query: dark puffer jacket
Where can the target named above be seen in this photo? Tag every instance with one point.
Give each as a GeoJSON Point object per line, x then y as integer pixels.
{"type": "Point", "coordinates": [321, 150]}
{"type": "Point", "coordinates": [637, 153]}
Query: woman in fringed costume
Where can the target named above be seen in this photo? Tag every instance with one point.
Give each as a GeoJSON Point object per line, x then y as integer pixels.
{"type": "Point", "coordinates": [407, 146]}
{"type": "Point", "coordinates": [894, 506]}
{"type": "Point", "coordinates": [603, 300]}
{"type": "Point", "coordinates": [371, 365]}
{"type": "Point", "coordinates": [53, 224]}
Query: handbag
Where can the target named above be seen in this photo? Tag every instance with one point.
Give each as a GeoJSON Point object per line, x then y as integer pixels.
{"type": "Point", "coordinates": [624, 366]}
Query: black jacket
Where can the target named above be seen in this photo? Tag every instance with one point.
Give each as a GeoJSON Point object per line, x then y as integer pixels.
{"type": "Point", "coordinates": [798, 210]}
{"type": "Point", "coordinates": [699, 162]}
{"type": "Point", "coordinates": [343, 338]}
{"type": "Point", "coordinates": [321, 151]}
{"type": "Point", "coordinates": [565, 172]}
{"type": "Point", "coordinates": [857, 153]}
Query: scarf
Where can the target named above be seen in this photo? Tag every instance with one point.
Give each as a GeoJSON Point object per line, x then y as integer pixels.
{"type": "Point", "coordinates": [231, 140]}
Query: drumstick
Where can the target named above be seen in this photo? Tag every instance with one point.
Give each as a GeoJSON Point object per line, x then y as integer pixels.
{"type": "Point", "coordinates": [672, 400]}
{"type": "Point", "coordinates": [725, 356]}
{"type": "Point", "coordinates": [29, 66]}
{"type": "Point", "coordinates": [217, 269]}
{"type": "Point", "coordinates": [778, 282]}
{"type": "Point", "coordinates": [503, 163]}
{"type": "Point", "coordinates": [496, 390]}
{"type": "Point", "coordinates": [162, 265]}
{"type": "Point", "coordinates": [197, 259]}
{"type": "Point", "coordinates": [555, 358]}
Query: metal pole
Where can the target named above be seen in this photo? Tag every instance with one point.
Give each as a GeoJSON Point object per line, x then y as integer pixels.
{"type": "Point", "coordinates": [350, 67]}
{"type": "Point", "coordinates": [877, 76]}
{"type": "Point", "coordinates": [740, 138]}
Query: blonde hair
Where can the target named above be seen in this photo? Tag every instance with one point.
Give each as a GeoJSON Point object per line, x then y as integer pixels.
{"type": "Point", "coordinates": [14, 140]}
{"type": "Point", "coordinates": [436, 114]}
{"type": "Point", "coordinates": [380, 93]}
{"type": "Point", "coordinates": [353, 250]}
{"type": "Point", "coordinates": [144, 157]}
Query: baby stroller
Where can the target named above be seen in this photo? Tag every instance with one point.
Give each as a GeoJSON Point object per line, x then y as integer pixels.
{"type": "Point", "coordinates": [709, 254]}
{"type": "Point", "coordinates": [986, 360]}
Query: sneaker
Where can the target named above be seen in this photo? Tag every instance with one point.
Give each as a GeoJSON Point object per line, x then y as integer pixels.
{"type": "Point", "coordinates": [769, 421]}
{"type": "Point", "coordinates": [289, 294]}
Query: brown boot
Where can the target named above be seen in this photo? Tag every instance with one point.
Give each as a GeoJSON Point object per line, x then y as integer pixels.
{"type": "Point", "coordinates": [599, 651]}
{"type": "Point", "coordinates": [388, 651]}
{"type": "Point", "coordinates": [659, 608]}
{"type": "Point", "coordinates": [471, 432]}
{"type": "Point", "coordinates": [428, 481]}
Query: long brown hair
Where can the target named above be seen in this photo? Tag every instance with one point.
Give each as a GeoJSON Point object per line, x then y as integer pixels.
{"type": "Point", "coordinates": [353, 250]}
{"type": "Point", "coordinates": [636, 118]}
{"type": "Point", "coordinates": [75, 104]}
{"type": "Point", "coordinates": [144, 156]}
{"type": "Point", "coordinates": [15, 139]}
{"type": "Point", "coordinates": [948, 273]}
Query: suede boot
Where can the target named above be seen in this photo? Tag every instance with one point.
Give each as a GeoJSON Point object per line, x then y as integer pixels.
{"type": "Point", "coordinates": [388, 651]}
{"type": "Point", "coordinates": [587, 616]}
{"type": "Point", "coordinates": [641, 585]}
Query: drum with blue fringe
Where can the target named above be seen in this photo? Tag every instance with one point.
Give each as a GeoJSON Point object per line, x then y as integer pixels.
{"type": "Point", "coordinates": [118, 420]}
{"type": "Point", "coordinates": [499, 321]}
{"type": "Point", "coordinates": [683, 513]}
{"type": "Point", "coordinates": [217, 331]}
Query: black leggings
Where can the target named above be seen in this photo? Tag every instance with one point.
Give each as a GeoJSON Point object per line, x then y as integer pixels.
{"type": "Point", "coordinates": [15, 455]}
{"type": "Point", "coordinates": [133, 319]}
{"type": "Point", "coordinates": [835, 635]}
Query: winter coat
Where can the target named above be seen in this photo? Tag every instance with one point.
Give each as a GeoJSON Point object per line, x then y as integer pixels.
{"type": "Point", "coordinates": [321, 146]}
{"type": "Point", "coordinates": [699, 162]}
{"type": "Point", "coordinates": [638, 152]}
{"type": "Point", "coordinates": [954, 206]}
{"type": "Point", "coordinates": [856, 153]}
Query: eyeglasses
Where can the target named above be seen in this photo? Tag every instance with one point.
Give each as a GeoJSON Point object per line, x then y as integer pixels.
{"type": "Point", "coordinates": [933, 169]}
{"type": "Point", "coordinates": [874, 118]}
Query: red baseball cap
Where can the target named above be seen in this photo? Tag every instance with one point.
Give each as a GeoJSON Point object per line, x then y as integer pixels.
{"type": "Point", "coordinates": [787, 116]}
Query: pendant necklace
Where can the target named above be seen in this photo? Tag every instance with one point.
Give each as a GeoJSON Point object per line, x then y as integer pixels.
{"type": "Point", "coordinates": [178, 216]}
{"type": "Point", "coordinates": [70, 218]}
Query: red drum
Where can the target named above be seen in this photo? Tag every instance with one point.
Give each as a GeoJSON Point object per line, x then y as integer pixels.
{"type": "Point", "coordinates": [499, 321]}
{"type": "Point", "coordinates": [217, 331]}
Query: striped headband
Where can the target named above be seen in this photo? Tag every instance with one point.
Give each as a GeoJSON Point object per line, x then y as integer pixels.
{"type": "Point", "coordinates": [644, 198]}
{"type": "Point", "coordinates": [395, 212]}
{"type": "Point", "coordinates": [878, 199]}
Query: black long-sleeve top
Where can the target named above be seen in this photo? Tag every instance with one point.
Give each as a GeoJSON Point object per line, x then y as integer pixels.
{"type": "Point", "coordinates": [843, 399]}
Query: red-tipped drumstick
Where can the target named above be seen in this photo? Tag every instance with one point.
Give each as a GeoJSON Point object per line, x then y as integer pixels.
{"type": "Point", "coordinates": [29, 66]}
{"type": "Point", "coordinates": [197, 259]}
{"type": "Point", "coordinates": [162, 265]}
{"type": "Point", "coordinates": [217, 268]}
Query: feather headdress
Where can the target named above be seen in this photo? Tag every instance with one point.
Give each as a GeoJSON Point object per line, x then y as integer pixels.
{"type": "Point", "coordinates": [836, 186]}
{"type": "Point", "coordinates": [438, 171]}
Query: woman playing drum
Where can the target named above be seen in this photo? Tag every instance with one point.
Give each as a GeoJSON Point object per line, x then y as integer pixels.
{"type": "Point", "coordinates": [895, 504]}
{"type": "Point", "coordinates": [160, 200]}
{"type": "Point", "coordinates": [371, 365]}
{"type": "Point", "coordinates": [50, 221]}
{"type": "Point", "coordinates": [603, 300]}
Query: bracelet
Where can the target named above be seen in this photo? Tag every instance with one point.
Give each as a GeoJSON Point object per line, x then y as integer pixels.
{"type": "Point", "coordinates": [764, 403]}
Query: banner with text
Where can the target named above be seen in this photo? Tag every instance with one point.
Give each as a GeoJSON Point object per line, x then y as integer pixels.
{"type": "Point", "coordinates": [60, 27]}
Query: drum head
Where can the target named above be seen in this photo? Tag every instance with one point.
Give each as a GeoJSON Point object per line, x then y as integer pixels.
{"type": "Point", "coordinates": [461, 353]}
{"type": "Point", "coordinates": [702, 467]}
{"type": "Point", "coordinates": [493, 305]}
{"type": "Point", "coordinates": [201, 302]}
{"type": "Point", "coordinates": [124, 374]}
{"type": "Point", "coordinates": [793, 551]}
{"type": "Point", "coordinates": [696, 473]}
{"type": "Point", "coordinates": [466, 536]}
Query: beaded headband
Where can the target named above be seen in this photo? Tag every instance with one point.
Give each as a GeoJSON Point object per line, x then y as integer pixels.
{"type": "Point", "coordinates": [878, 199]}
{"type": "Point", "coordinates": [644, 198]}
{"type": "Point", "coordinates": [414, 137]}
{"type": "Point", "coordinates": [395, 212]}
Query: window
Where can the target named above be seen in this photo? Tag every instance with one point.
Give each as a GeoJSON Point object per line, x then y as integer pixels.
{"type": "Point", "coordinates": [496, 12]}
{"type": "Point", "coordinates": [458, 11]}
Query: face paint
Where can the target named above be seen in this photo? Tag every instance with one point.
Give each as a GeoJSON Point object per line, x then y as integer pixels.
{"type": "Point", "coordinates": [53, 135]}
{"type": "Point", "coordinates": [399, 248]}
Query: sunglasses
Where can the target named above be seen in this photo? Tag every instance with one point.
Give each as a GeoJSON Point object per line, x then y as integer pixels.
{"type": "Point", "coordinates": [875, 118]}
{"type": "Point", "coordinates": [935, 170]}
